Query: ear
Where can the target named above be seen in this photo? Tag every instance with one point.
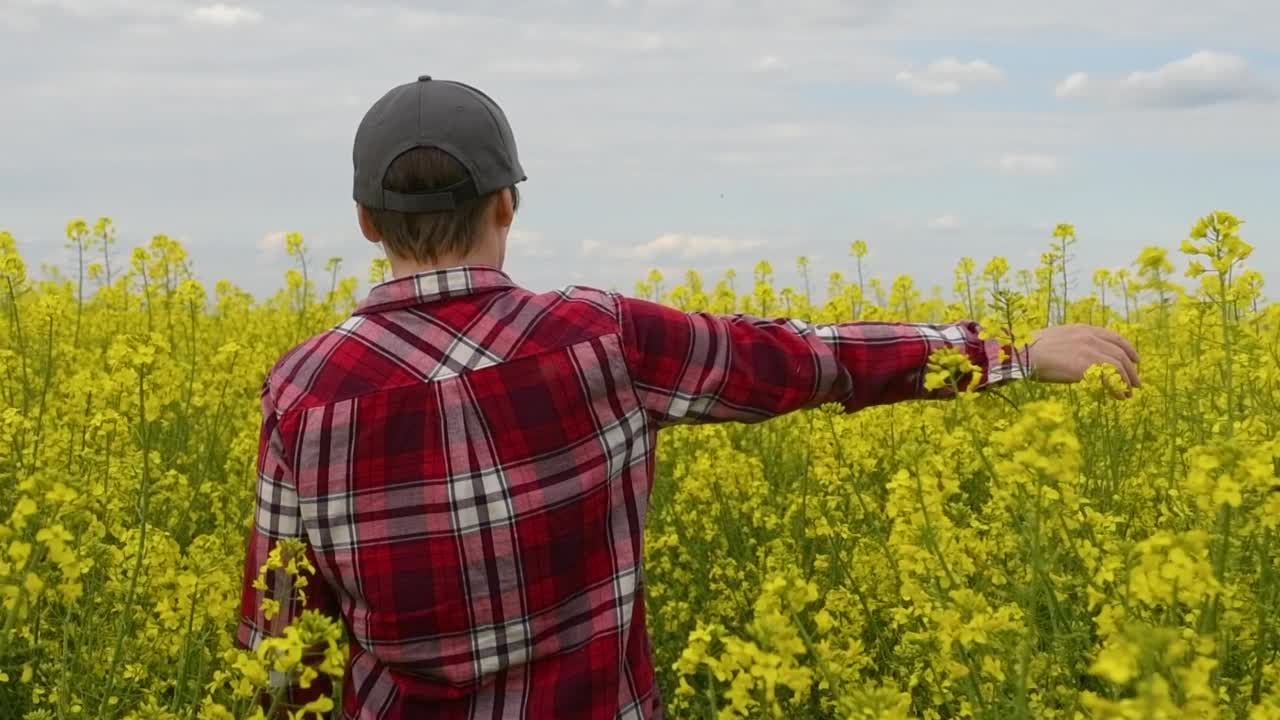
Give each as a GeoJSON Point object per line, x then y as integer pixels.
{"type": "Point", "coordinates": [366, 225]}
{"type": "Point", "coordinates": [504, 210]}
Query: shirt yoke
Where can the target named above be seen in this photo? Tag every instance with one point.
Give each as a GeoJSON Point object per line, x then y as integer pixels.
{"type": "Point", "coordinates": [434, 341]}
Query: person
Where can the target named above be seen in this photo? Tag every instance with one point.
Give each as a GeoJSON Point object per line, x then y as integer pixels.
{"type": "Point", "coordinates": [469, 462]}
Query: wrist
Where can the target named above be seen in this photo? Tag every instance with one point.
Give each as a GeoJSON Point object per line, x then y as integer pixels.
{"type": "Point", "coordinates": [1019, 356]}
{"type": "Point", "coordinates": [1024, 358]}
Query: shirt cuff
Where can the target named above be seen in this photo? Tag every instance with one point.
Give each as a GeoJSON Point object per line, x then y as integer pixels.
{"type": "Point", "coordinates": [1006, 363]}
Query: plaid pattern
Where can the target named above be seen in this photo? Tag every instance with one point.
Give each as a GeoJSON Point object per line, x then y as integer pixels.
{"type": "Point", "coordinates": [470, 464]}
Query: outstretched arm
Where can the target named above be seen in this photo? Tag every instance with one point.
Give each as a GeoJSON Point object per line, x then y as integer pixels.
{"type": "Point", "coordinates": [700, 367]}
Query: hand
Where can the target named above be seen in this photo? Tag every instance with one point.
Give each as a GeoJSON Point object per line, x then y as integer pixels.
{"type": "Point", "coordinates": [1063, 353]}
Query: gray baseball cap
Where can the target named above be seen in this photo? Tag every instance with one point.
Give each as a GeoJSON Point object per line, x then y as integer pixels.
{"type": "Point", "coordinates": [450, 116]}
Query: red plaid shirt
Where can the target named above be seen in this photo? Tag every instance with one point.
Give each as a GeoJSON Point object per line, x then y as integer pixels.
{"type": "Point", "coordinates": [470, 465]}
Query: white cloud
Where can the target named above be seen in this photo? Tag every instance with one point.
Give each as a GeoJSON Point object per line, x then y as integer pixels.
{"type": "Point", "coordinates": [945, 222]}
{"type": "Point", "coordinates": [949, 76]}
{"type": "Point", "coordinates": [1072, 86]}
{"type": "Point", "coordinates": [223, 15]}
{"type": "Point", "coordinates": [1133, 23]}
{"type": "Point", "coordinates": [1027, 164]}
{"type": "Point", "coordinates": [674, 245]}
{"type": "Point", "coordinates": [272, 244]}
{"type": "Point", "coordinates": [527, 243]}
{"type": "Point", "coordinates": [1200, 79]}
{"type": "Point", "coordinates": [768, 63]}
{"type": "Point", "coordinates": [695, 246]}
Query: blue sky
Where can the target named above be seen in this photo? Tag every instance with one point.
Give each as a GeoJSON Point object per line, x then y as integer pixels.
{"type": "Point", "coordinates": [668, 133]}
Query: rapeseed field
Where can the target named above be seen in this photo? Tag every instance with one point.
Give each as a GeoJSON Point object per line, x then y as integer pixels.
{"type": "Point", "coordinates": [1032, 551]}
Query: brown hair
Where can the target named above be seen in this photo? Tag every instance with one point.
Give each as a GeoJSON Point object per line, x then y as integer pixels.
{"type": "Point", "coordinates": [425, 237]}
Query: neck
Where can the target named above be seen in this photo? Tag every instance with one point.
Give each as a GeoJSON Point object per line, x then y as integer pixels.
{"type": "Point", "coordinates": [404, 267]}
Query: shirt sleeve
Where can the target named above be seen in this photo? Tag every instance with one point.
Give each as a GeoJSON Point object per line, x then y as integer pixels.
{"type": "Point", "coordinates": [277, 517]}
{"type": "Point", "coordinates": [700, 367]}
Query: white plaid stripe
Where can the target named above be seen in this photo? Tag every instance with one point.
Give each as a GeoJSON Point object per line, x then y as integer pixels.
{"type": "Point", "coordinates": [342, 433]}
{"type": "Point", "coordinates": [444, 284]}
{"type": "Point", "coordinates": [376, 337]}
{"type": "Point", "coordinates": [1014, 367]}
{"type": "Point", "coordinates": [950, 335]}
{"type": "Point", "coordinates": [685, 405]}
{"type": "Point", "coordinates": [367, 673]}
{"type": "Point", "coordinates": [277, 509]}
{"type": "Point", "coordinates": [479, 500]}
{"type": "Point", "coordinates": [460, 356]}
{"type": "Point", "coordinates": [453, 353]}
{"type": "Point", "coordinates": [301, 370]}
{"type": "Point", "coordinates": [513, 692]}
{"type": "Point", "coordinates": [629, 705]}
{"type": "Point", "coordinates": [592, 297]}
{"type": "Point", "coordinates": [617, 438]}
{"type": "Point", "coordinates": [482, 512]}
{"type": "Point", "coordinates": [350, 325]}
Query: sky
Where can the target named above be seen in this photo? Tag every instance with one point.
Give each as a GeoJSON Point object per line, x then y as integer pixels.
{"type": "Point", "coordinates": [667, 134]}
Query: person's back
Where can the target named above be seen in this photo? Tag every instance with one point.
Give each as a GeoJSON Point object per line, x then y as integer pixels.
{"type": "Point", "coordinates": [470, 462]}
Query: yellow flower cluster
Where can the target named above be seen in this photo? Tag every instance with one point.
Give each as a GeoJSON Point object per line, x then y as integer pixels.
{"type": "Point", "coordinates": [309, 646]}
{"type": "Point", "coordinates": [1030, 552]}
{"type": "Point", "coordinates": [754, 670]}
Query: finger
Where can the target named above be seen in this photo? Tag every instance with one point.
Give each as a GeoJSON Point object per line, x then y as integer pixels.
{"type": "Point", "coordinates": [1119, 341]}
{"type": "Point", "coordinates": [1125, 366]}
{"type": "Point", "coordinates": [1122, 364]}
{"type": "Point", "coordinates": [1130, 370]}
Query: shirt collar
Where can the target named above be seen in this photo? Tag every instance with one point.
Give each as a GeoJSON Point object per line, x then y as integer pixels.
{"type": "Point", "coordinates": [431, 285]}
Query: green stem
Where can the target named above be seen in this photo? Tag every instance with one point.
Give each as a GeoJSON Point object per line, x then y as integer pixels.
{"type": "Point", "coordinates": [22, 343]}
{"type": "Point", "coordinates": [1219, 565]}
{"type": "Point", "coordinates": [146, 291]}
{"type": "Point", "coordinates": [882, 532]}
{"type": "Point", "coordinates": [11, 617]}
{"type": "Point", "coordinates": [126, 622]}
{"type": "Point", "coordinates": [930, 540]}
{"type": "Point", "coordinates": [1268, 593]}
{"type": "Point", "coordinates": [832, 680]}
{"type": "Point", "coordinates": [713, 709]}
{"type": "Point", "coordinates": [1024, 669]}
{"type": "Point", "coordinates": [44, 395]}
{"type": "Point", "coordinates": [1227, 350]}
{"type": "Point", "coordinates": [79, 289]}
{"type": "Point", "coordinates": [181, 682]}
